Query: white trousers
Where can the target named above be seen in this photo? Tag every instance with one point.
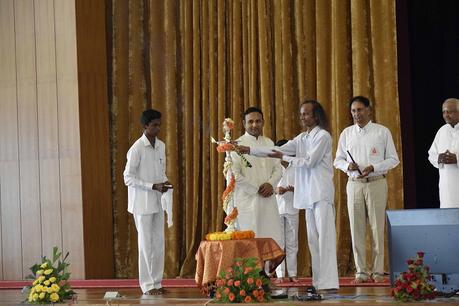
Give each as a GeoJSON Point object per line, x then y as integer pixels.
{"type": "Point", "coordinates": [367, 199]}
{"type": "Point", "coordinates": [320, 225]}
{"type": "Point", "coordinates": [150, 230]}
{"type": "Point", "coordinates": [289, 243]}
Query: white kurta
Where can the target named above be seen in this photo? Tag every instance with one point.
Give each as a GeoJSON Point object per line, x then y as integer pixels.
{"type": "Point", "coordinates": [447, 138]}
{"type": "Point", "coordinates": [314, 192]}
{"type": "Point", "coordinates": [289, 217]}
{"type": "Point", "coordinates": [254, 211]}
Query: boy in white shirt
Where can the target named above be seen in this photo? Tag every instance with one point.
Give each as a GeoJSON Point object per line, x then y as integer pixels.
{"type": "Point", "coordinates": [145, 176]}
{"type": "Point", "coordinates": [289, 217]}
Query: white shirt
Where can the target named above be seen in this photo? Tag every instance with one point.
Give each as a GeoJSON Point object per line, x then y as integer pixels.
{"type": "Point", "coordinates": [313, 166]}
{"type": "Point", "coordinates": [370, 145]}
{"type": "Point", "coordinates": [447, 138]}
{"type": "Point", "coordinates": [146, 165]}
{"type": "Point", "coordinates": [285, 201]}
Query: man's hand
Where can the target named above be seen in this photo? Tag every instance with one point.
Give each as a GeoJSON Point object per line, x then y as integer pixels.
{"type": "Point", "coordinates": [242, 149]}
{"type": "Point", "coordinates": [281, 190]}
{"type": "Point", "coordinates": [366, 171]}
{"type": "Point", "coordinates": [353, 167]}
{"type": "Point", "coordinates": [276, 154]}
{"type": "Point", "coordinates": [447, 158]}
{"type": "Point", "coordinates": [161, 187]}
{"type": "Point", "coordinates": [290, 188]}
{"type": "Point", "coordinates": [266, 190]}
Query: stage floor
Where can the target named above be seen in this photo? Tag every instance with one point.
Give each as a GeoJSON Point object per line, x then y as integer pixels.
{"type": "Point", "coordinates": [362, 296]}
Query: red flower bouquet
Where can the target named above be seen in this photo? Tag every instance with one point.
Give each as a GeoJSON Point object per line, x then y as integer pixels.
{"type": "Point", "coordinates": [413, 285]}
{"type": "Point", "coordinates": [242, 283]}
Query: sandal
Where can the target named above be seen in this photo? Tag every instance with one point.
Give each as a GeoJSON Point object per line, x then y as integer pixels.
{"type": "Point", "coordinates": [155, 291]}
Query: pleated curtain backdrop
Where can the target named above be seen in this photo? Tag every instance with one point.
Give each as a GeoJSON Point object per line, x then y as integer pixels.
{"type": "Point", "coordinates": [199, 62]}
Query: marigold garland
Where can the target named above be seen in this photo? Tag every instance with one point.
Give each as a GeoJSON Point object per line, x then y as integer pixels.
{"type": "Point", "coordinates": [236, 235]}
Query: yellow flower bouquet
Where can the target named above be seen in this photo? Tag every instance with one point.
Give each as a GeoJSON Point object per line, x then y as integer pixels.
{"type": "Point", "coordinates": [50, 283]}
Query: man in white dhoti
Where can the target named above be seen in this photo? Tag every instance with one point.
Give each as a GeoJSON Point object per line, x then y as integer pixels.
{"type": "Point", "coordinates": [254, 192]}
{"type": "Point", "coordinates": [366, 152]}
{"type": "Point", "coordinates": [314, 190]}
{"type": "Point", "coordinates": [444, 154]}
{"type": "Point", "coordinates": [145, 176]}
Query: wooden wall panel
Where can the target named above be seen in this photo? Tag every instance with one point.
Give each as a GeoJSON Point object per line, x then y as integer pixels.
{"type": "Point", "coordinates": [48, 129]}
{"type": "Point", "coordinates": [9, 159]}
{"type": "Point", "coordinates": [94, 135]}
{"type": "Point", "coordinates": [40, 170]}
{"type": "Point", "coordinates": [69, 135]}
{"type": "Point", "coordinates": [27, 134]}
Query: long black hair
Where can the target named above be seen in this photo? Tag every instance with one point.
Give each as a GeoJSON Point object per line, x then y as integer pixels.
{"type": "Point", "coordinates": [319, 114]}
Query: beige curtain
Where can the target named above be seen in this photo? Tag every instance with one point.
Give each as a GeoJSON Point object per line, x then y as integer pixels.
{"type": "Point", "coordinates": [201, 61]}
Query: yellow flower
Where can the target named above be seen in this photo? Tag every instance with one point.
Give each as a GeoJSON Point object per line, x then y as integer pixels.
{"type": "Point", "coordinates": [50, 290]}
{"type": "Point", "coordinates": [52, 279]}
{"type": "Point", "coordinates": [42, 296]}
{"type": "Point", "coordinates": [32, 291]}
{"type": "Point", "coordinates": [35, 297]}
{"type": "Point", "coordinates": [47, 282]}
{"type": "Point", "coordinates": [41, 278]}
{"type": "Point", "coordinates": [38, 288]}
{"type": "Point", "coordinates": [48, 272]}
{"type": "Point", "coordinates": [39, 272]}
{"type": "Point", "coordinates": [54, 297]}
{"type": "Point", "coordinates": [35, 282]}
{"type": "Point", "coordinates": [44, 265]}
{"type": "Point", "coordinates": [31, 298]}
{"type": "Point", "coordinates": [55, 287]}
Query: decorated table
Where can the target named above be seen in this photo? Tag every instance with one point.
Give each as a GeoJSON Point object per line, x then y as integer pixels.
{"type": "Point", "coordinates": [213, 257]}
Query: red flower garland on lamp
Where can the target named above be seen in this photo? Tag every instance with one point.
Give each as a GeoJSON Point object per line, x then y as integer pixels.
{"type": "Point", "coordinates": [413, 285]}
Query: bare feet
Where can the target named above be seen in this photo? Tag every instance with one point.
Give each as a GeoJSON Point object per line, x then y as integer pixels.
{"type": "Point", "coordinates": [294, 279]}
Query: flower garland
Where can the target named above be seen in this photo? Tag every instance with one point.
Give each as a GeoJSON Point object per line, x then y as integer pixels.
{"type": "Point", "coordinates": [236, 235]}
{"type": "Point", "coordinates": [242, 283]}
{"type": "Point", "coordinates": [413, 285]}
{"type": "Point", "coordinates": [50, 282]}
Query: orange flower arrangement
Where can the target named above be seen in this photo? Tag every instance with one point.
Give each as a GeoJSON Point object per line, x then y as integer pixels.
{"type": "Point", "coordinates": [242, 283]}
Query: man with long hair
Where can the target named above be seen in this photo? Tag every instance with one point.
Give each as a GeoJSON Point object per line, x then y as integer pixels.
{"type": "Point", "coordinates": [310, 153]}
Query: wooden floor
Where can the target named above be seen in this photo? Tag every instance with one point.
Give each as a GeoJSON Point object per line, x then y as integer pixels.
{"type": "Point", "coordinates": [361, 296]}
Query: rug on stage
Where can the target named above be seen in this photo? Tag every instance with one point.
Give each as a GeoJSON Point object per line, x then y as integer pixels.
{"type": "Point", "coordinates": [176, 283]}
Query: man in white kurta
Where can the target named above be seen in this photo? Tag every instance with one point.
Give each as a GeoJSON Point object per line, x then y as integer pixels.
{"type": "Point", "coordinates": [145, 176]}
{"type": "Point", "coordinates": [254, 193]}
{"type": "Point", "coordinates": [289, 217]}
{"type": "Point", "coordinates": [314, 190]}
{"type": "Point", "coordinates": [444, 154]}
{"type": "Point", "coordinates": [366, 152]}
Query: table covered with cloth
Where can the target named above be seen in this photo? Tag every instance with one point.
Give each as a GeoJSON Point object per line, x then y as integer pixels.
{"type": "Point", "coordinates": [213, 257]}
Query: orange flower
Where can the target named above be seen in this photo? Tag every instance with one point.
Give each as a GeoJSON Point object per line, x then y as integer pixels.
{"type": "Point", "coordinates": [238, 235]}
{"type": "Point", "coordinates": [226, 291]}
{"type": "Point", "coordinates": [218, 295]}
{"type": "Point", "coordinates": [250, 281]}
{"type": "Point", "coordinates": [230, 282]}
{"type": "Point", "coordinates": [231, 296]}
{"type": "Point", "coordinates": [237, 283]}
{"type": "Point", "coordinates": [223, 147]}
{"type": "Point", "coordinates": [242, 292]}
{"type": "Point", "coordinates": [259, 282]}
{"type": "Point", "coordinates": [247, 299]}
{"type": "Point", "coordinates": [255, 293]}
{"type": "Point", "coordinates": [260, 298]}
